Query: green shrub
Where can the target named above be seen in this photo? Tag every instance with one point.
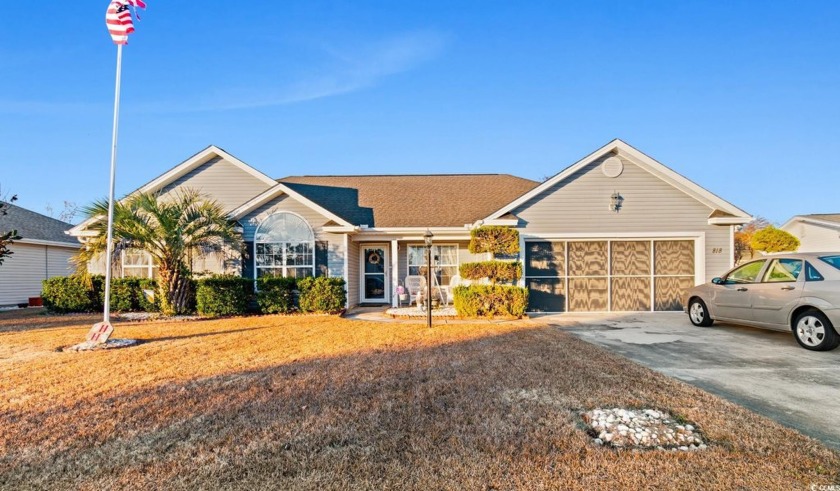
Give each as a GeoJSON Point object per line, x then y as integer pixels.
{"type": "Point", "coordinates": [491, 300]}
{"type": "Point", "coordinates": [67, 294]}
{"type": "Point", "coordinates": [276, 295]}
{"type": "Point", "coordinates": [223, 295]}
{"type": "Point", "coordinates": [494, 239]}
{"type": "Point", "coordinates": [322, 294]}
{"type": "Point", "coordinates": [87, 294]}
{"type": "Point", "coordinates": [505, 271]}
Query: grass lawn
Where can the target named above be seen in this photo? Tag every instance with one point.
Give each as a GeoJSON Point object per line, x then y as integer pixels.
{"type": "Point", "coordinates": [318, 402]}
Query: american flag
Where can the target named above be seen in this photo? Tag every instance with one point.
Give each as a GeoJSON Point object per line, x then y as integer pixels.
{"type": "Point", "coordinates": [119, 21]}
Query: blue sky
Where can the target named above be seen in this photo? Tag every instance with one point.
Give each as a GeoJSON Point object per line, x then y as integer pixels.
{"type": "Point", "coordinates": [741, 97]}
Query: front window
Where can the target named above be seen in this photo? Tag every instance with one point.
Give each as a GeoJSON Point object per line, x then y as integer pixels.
{"type": "Point", "coordinates": [285, 246]}
{"type": "Point", "coordinates": [137, 263]}
{"type": "Point", "coordinates": [444, 258]}
{"type": "Point", "coordinates": [746, 273]}
{"type": "Point", "coordinates": [783, 270]}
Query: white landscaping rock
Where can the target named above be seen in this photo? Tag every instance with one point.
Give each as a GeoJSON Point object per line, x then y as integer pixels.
{"type": "Point", "coordinates": [646, 428]}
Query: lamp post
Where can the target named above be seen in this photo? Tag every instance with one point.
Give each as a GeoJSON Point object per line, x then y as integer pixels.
{"type": "Point", "coordinates": [427, 237]}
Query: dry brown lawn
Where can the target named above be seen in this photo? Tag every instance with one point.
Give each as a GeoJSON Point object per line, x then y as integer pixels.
{"type": "Point", "coordinates": [326, 403]}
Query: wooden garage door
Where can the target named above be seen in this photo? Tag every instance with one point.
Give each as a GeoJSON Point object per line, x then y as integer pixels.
{"type": "Point", "coordinates": [608, 275]}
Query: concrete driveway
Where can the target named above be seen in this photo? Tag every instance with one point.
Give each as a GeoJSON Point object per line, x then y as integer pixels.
{"type": "Point", "coordinates": [765, 371]}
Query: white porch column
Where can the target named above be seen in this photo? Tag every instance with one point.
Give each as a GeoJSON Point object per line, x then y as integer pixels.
{"type": "Point", "coordinates": [347, 269]}
{"type": "Point", "coordinates": [521, 281]}
{"type": "Point", "coordinates": [395, 272]}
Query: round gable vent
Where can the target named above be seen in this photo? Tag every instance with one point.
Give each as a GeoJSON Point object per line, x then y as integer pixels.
{"type": "Point", "coordinates": [612, 167]}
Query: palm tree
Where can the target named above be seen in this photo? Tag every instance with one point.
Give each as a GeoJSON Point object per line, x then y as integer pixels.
{"type": "Point", "coordinates": [170, 228]}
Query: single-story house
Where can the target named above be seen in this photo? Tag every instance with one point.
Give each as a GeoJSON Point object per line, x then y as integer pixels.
{"type": "Point", "coordinates": [615, 231]}
{"type": "Point", "coordinates": [44, 251]}
{"type": "Point", "coordinates": [816, 233]}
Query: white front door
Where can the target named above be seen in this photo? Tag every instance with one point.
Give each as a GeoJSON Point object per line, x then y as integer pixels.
{"type": "Point", "coordinates": [375, 274]}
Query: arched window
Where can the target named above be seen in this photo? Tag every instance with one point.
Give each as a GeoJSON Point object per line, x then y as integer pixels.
{"type": "Point", "coordinates": [285, 246]}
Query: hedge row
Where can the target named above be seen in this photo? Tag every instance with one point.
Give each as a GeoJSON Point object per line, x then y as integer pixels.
{"type": "Point", "coordinates": [232, 295]}
{"type": "Point", "coordinates": [491, 300]}
{"type": "Point", "coordinates": [214, 296]}
{"type": "Point", "coordinates": [505, 271]}
{"type": "Point", "coordinates": [75, 294]}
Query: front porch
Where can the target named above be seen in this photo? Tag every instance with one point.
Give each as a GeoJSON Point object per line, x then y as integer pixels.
{"type": "Point", "coordinates": [377, 269]}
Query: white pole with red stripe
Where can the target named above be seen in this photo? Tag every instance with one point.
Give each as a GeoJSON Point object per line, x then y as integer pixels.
{"type": "Point", "coordinates": [114, 134]}
{"type": "Point", "coordinates": [102, 330]}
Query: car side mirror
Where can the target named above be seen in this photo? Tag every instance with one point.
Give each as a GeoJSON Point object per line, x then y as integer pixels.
{"type": "Point", "coordinates": [717, 281]}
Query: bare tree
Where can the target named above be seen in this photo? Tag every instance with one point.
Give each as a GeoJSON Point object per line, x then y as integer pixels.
{"type": "Point", "coordinates": [68, 212]}
{"type": "Point", "coordinates": [7, 237]}
{"type": "Point", "coordinates": [743, 238]}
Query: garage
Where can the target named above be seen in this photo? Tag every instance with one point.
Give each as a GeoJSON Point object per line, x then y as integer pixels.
{"type": "Point", "coordinates": [624, 275]}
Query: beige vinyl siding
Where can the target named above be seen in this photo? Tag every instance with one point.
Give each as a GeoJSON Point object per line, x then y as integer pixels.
{"type": "Point", "coordinates": [22, 273]}
{"type": "Point", "coordinates": [335, 254]}
{"type": "Point", "coordinates": [815, 238]}
{"type": "Point", "coordinates": [220, 180]}
{"type": "Point", "coordinates": [353, 274]}
{"type": "Point", "coordinates": [580, 205]}
{"type": "Point", "coordinates": [284, 203]}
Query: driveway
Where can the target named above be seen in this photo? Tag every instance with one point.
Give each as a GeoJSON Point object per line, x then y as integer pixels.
{"type": "Point", "coordinates": [765, 371]}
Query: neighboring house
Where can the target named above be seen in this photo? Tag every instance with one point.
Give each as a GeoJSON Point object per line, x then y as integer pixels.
{"type": "Point", "coordinates": [615, 231]}
{"type": "Point", "coordinates": [816, 233]}
{"type": "Point", "coordinates": [43, 251]}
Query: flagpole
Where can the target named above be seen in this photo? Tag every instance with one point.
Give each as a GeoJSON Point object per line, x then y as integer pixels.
{"type": "Point", "coordinates": [108, 261]}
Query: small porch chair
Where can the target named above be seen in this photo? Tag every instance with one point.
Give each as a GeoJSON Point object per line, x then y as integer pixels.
{"type": "Point", "coordinates": [415, 286]}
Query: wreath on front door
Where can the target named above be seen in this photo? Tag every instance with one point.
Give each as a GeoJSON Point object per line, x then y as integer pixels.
{"type": "Point", "coordinates": [374, 258]}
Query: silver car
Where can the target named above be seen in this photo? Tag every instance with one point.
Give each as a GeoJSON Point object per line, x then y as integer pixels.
{"type": "Point", "coordinates": [785, 292]}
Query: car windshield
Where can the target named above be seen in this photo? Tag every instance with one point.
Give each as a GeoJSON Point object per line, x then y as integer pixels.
{"type": "Point", "coordinates": [832, 260]}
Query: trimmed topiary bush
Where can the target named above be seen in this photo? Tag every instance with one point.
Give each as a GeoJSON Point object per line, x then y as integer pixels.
{"type": "Point", "coordinates": [276, 295]}
{"type": "Point", "coordinates": [494, 239]}
{"type": "Point", "coordinates": [322, 295]}
{"type": "Point", "coordinates": [64, 294]}
{"type": "Point", "coordinates": [504, 271]}
{"type": "Point", "coordinates": [223, 295]}
{"type": "Point", "coordinates": [491, 300]}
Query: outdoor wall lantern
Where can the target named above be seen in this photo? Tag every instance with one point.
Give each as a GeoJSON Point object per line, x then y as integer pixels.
{"type": "Point", "coordinates": [615, 201]}
{"type": "Point", "coordinates": [427, 238]}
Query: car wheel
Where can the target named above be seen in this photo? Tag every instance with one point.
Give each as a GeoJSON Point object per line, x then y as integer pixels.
{"type": "Point", "coordinates": [698, 313]}
{"type": "Point", "coordinates": [813, 331]}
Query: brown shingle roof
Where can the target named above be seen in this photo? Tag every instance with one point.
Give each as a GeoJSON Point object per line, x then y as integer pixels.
{"type": "Point", "coordinates": [412, 200]}
{"type": "Point", "coordinates": [826, 217]}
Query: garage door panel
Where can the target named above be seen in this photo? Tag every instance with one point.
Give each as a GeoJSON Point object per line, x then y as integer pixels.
{"type": "Point", "coordinates": [630, 294]}
{"type": "Point", "coordinates": [674, 257]}
{"type": "Point", "coordinates": [547, 295]}
{"type": "Point", "coordinates": [630, 258]}
{"type": "Point", "coordinates": [617, 275]}
{"type": "Point", "coordinates": [669, 291]}
{"type": "Point", "coordinates": [545, 259]}
{"type": "Point", "coordinates": [588, 258]}
{"type": "Point", "coordinates": [587, 294]}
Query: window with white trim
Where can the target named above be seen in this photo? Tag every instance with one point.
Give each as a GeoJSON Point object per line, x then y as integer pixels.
{"type": "Point", "coordinates": [444, 258]}
{"type": "Point", "coordinates": [284, 246]}
{"type": "Point", "coordinates": [137, 263]}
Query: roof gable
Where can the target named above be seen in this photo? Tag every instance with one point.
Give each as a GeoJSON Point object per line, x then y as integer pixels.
{"type": "Point", "coordinates": [171, 178]}
{"type": "Point", "coordinates": [828, 220]}
{"type": "Point", "coordinates": [645, 162]}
